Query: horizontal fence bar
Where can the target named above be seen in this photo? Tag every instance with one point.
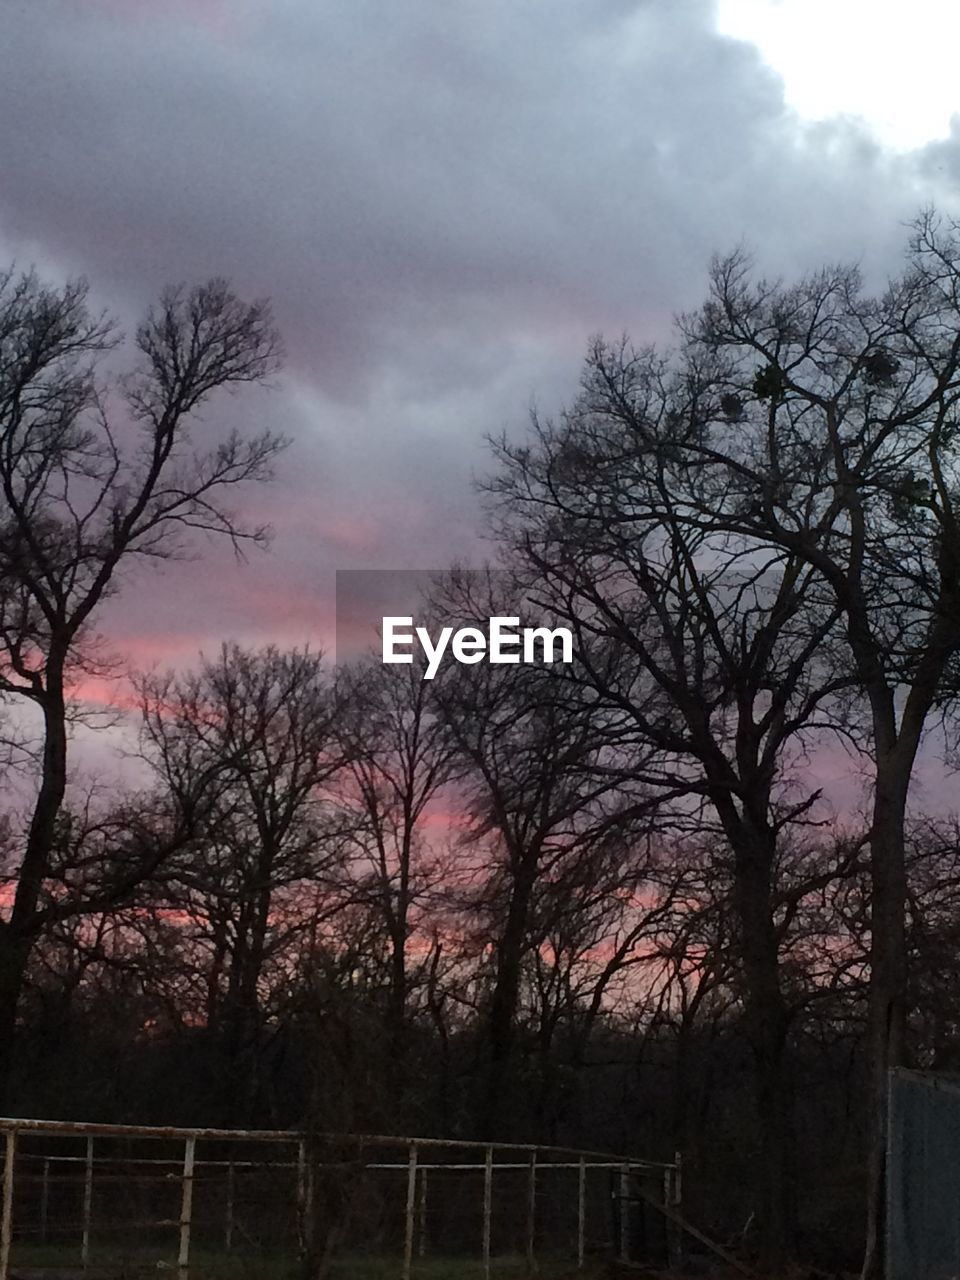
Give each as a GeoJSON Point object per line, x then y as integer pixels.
{"type": "Point", "coordinates": [72, 1228]}
{"type": "Point", "coordinates": [615, 1162]}
{"type": "Point", "coordinates": [65, 1128]}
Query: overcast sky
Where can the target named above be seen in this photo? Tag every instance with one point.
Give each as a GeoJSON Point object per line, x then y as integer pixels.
{"type": "Point", "coordinates": [444, 199]}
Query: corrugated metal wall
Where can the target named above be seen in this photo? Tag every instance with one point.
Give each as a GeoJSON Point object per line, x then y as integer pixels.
{"type": "Point", "coordinates": [923, 1181]}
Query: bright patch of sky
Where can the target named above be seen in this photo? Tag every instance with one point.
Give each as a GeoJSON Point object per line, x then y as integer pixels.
{"type": "Point", "coordinates": [891, 64]}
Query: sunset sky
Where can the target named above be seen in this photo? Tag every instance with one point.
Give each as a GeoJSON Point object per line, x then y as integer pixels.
{"type": "Point", "coordinates": [444, 199]}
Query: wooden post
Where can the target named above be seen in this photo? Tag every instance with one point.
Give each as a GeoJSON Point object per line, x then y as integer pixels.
{"type": "Point", "coordinates": [44, 1201]}
{"type": "Point", "coordinates": [186, 1208]}
{"type": "Point", "coordinates": [624, 1245]}
{"type": "Point", "coordinates": [532, 1213]}
{"type": "Point", "coordinates": [302, 1234]}
{"type": "Point", "coordinates": [581, 1211]}
{"type": "Point", "coordinates": [87, 1204]}
{"type": "Point", "coordinates": [487, 1210]}
{"type": "Point", "coordinates": [668, 1221]}
{"type": "Point", "coordinates": [422, 1246]}
{"type": "Point", "coordinates": [674, 1230]}
{"type": "Point", "coordinates": [411, 1211]}
{"type": "Point", "coordinates": [6, 1215]}
{"type": "Point", "coordinates": [228, 1224]}
{"type": "Point", "coordinates": [310, 1242]}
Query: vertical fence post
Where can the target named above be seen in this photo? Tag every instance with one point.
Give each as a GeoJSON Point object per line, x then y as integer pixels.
{"type": "Point", "coordinates": [422, 1246]}
{"type": "Point", "coordinates": [228, 1223]}
{"type": "Point", "coordinates": [310, 1174]}
{"type": "Point", "coordinates": [581, 1210]}
{"type": "Point", "coordinates": [669, 1225]}
{"type": "Point", "coordinates": [302, 1196]}
{"type": "Point", "coordinates": [87, 1203]}
{"type": "Point", "coordinates": [44, 1201]}
{"type": "Point", "coordinates": [410, 1222]}
{"type": "Point", "coordinates": [624, 1246]}
{"type": "Point", "coordinates": [675, 1231]}
{"type": "Point", "coordinates": [487, 1210]}
{"type": "Point", "coordinates": [6, 1216]}
{"type": "Point", "coordinates": [532, 1213]}
{"type": "Point", "coordinates": [186, 1208]}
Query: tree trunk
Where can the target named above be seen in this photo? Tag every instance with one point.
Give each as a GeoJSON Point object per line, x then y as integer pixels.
{"type": "Point", "coordinates": [19, 934]}
{"type": "Point", "coordinates": [888, 984]}
{"type": "Point", "coordinates": [766, 1022]}
{"type": "Point", "coordinates": [503, 1006]}
{"type": "Point", "coordinates": [14, 954]}
{"type": "Point", "coordinates": [397, 1005]}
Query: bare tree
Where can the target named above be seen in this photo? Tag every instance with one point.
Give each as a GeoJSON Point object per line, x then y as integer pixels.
{"type": "Point", "coordinates": [92, 479]}
{"type": "Point", "coordinates": [269, 852]}
{"type": "Point", "coordinates": [821, 421]}
{"type": "Point", "coordinates": [399, 767]}
{"type": "Point", "coordinates": [719, 665]}
{"type": "Point", "coordinates": [599, 921]}
{"type": "Point", "coordinates": [545, 809]}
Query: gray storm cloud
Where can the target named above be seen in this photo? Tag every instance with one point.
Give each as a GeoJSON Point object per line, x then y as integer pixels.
{"type": "Point", "coordinates": [443, 200]}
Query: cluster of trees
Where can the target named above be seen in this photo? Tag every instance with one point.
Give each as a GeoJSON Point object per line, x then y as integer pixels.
{"type": "Point", "coordinates": [581, 902]}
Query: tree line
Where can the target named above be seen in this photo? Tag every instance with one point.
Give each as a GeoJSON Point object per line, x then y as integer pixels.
{"type": "Point", "coordinates": [603, 902]}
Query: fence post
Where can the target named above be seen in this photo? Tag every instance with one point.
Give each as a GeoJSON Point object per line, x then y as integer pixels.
{"type": "Point", "coordinates": [624, 1248]}
{"type": "Point", "coordinates": [87, 1203]}
{"type": "Point", "coordinates": [410, 1220]}
{"type": "Point", "coordinates": [228, 1225]}
{"type": "Point", "coordinates": [532, 1213]}
{"type": "Point", "coordinates": [302, 1196]}
{"type": "Point", "coordinates": [487, 1210]}
{"type": "Point", "coordinates": [6, 1217]}
{"type": "Point", "coordinates": [581, 1210]}
{"type": "Point", "coordinates": [676, 1202]}
{"type": "Point", "coordinates": [186, 1208]}
{"type": "Point", "coordinates": [44, 1201]}
{"type": "Point", "coordinates": [422, 1246]}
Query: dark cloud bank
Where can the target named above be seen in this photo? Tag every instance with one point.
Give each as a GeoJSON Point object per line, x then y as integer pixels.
{"type": "Point", "coordinates": [443, 200]}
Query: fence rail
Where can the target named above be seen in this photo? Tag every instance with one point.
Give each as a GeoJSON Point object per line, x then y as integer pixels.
{"type": "Point", "coordinates": [203, 1202]}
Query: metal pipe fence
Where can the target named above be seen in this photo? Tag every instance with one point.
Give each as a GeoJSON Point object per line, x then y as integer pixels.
{"type": "Point", "coordinates": [125, 1200]}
